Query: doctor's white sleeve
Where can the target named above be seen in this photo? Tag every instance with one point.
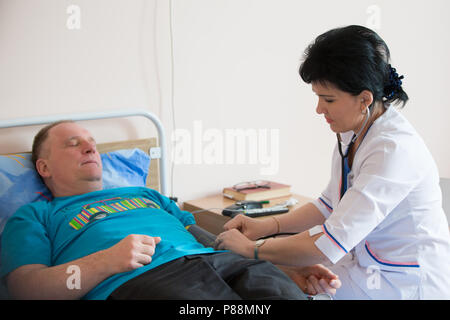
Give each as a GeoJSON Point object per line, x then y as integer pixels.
{"type": "Point", "coordinates": [323, 203]}
{"type": "Point", "coordinates": [384, 180]}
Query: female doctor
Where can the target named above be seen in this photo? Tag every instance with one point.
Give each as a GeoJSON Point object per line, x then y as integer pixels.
{"type": "Point", "coordinates": [379, 224]}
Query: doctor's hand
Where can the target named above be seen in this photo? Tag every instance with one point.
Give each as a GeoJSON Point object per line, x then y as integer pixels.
{"type": "Point", "coordinates": [252, 228]}
{"type": "Point", "coordinates": [235, 241]}
{"type": "Point", "coordinates": [313, 279]}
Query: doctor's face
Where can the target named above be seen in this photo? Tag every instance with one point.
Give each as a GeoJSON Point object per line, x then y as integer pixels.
{"type": "Point", "coordinates": [341, 110]}
{"type": "Point", "coordinates": [69, 162]}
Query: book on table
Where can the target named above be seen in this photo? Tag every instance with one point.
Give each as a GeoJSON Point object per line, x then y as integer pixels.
{"type": "Point", "coordinates": [274, 190]}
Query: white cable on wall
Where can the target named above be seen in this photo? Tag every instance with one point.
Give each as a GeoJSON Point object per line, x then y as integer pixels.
{"type": "Point", "coordinates": [156, 57]}
{"type": "Point", "coordinates": [172, 92]}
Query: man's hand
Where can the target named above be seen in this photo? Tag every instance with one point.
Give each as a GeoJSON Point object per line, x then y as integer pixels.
{"type": "Point", "coordinates": [314, 279]}
{"type": "Point", "coordinates": [38, 281]}
{"type": "Point", "coordinates": [132, 252]}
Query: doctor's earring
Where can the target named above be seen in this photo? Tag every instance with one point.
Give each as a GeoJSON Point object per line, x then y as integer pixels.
{"type": "Point", "coordinates": [365, 111]}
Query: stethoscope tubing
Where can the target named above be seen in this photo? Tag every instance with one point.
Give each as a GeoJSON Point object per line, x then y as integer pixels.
{"type": "Point", "coordinates": [352, 141]}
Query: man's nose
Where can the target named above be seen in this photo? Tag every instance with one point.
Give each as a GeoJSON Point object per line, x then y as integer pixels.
{"type": "Point", "coordinates": [89, 147]}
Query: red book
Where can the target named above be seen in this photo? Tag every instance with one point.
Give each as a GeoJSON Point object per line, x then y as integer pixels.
{"type": "Point", "coordinates": [276, 190]}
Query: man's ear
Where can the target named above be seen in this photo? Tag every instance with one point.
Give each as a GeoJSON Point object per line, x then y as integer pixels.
{"type": "Point", "coordinates": [42, 168]}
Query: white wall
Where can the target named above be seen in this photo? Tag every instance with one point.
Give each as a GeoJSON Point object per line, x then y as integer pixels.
{"type": "Point", "coordinates": [235, 67]}
{"type": "Point", "coordinates": [47, 68]}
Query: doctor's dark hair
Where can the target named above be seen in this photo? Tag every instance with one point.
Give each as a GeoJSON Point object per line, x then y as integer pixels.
{"type": "Point", "coordinates": [353, 59]}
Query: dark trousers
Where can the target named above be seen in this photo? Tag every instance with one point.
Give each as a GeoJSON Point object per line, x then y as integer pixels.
{"type": "Point", "coordinates": [218, 276]}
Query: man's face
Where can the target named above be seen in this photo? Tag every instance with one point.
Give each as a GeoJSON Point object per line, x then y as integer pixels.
{"type": "Point", "coordinates": [69, 161]}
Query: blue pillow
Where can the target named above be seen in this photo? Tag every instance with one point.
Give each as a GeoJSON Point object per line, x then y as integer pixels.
{"type": "Point", "coordinates": [125, 168]}
{"type": "Point", "coordinates": [20, 183]}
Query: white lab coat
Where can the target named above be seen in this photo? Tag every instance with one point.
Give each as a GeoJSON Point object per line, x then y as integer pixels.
{"type": "Point", "coordinates": [389, 225]}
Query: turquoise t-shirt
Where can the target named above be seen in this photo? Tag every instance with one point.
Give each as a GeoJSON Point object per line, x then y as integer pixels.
{"type": "Point", "coordinates": [68, 228]}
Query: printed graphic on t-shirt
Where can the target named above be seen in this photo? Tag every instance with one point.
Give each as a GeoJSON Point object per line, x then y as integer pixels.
{"type": "Point", "coordinates": [101, 209]}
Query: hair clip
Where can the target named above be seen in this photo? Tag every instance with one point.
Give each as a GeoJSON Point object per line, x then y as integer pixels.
{"type": "Point", "coordinates": [395, 83]}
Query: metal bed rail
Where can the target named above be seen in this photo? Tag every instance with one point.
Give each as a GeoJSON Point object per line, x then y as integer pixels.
{"type": "Point", "coordinates": [31, 121]}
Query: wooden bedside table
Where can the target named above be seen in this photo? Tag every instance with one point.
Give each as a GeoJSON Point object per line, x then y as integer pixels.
{"type": "Point", "coordinates": [212, 219]}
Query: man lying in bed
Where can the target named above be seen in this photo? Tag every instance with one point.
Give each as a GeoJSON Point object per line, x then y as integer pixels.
{"type": "Point", "coordinates": [125, 243]}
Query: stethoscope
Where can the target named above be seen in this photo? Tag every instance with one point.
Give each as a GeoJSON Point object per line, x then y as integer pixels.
{"type": "Point", "coordinates": [345, 168]}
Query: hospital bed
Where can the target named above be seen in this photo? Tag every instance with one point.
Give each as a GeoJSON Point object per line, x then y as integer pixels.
{"type": "Point", "coordinates": [140, 162]}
